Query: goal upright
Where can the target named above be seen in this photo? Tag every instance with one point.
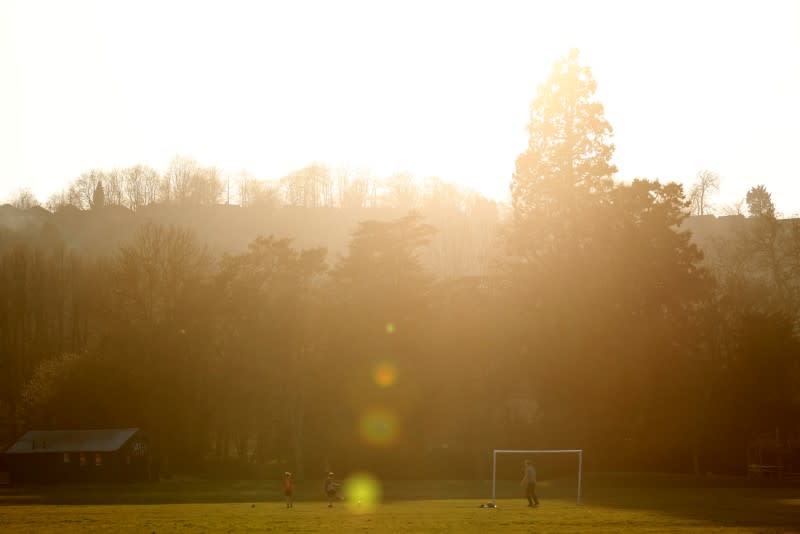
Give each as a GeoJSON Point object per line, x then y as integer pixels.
{"type": "Point", "coordinates": [495, 452]}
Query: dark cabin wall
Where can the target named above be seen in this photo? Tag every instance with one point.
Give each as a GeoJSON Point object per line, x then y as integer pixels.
{"type": "Point", "coordinates": [128, 464]}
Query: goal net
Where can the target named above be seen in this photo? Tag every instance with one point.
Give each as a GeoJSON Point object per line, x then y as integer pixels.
{"type": "Point", "coordinates": [578, 453]}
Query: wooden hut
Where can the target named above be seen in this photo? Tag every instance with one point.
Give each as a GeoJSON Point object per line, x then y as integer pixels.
{"type": "Point", "coordinates": [102, 455]}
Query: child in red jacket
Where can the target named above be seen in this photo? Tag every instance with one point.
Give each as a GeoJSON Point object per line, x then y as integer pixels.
{"type": "Point", "coordinates": [288, 488]}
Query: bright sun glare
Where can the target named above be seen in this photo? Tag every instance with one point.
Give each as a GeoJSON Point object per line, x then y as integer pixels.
{"type": "Point", "coordinates": [437, 89]}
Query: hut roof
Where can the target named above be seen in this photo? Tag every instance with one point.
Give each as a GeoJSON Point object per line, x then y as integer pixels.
{"type": "Point", "coordinates": [44, 441]}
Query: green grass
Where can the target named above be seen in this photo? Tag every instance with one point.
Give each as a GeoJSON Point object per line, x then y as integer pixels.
{"type": "Point", "coordinates": [618, 503]}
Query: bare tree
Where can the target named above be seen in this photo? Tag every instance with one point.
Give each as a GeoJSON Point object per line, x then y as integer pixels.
{"type": "Point", "coordinates": [133, 187]}
{"type": "Point", "coordinates": [265, 194]}
{"type": "Point", "coordinates": [439, 195]}
{"type": "Point", "coordinates": [154, 269]}
{"type": "Point", "coordinates": [291, 190]}
{"type": "Point", "coordinates": [356, 194]}
{"type": "Point", "coordinates": [206, 186]}
{"type": "Point", "coordinates": [151, 184]}
{"type": "Point", "coordinates": [85, 185]}
{"type": "Point", "coordinates": [319, 186]}
{"type": "Point", "coordinates": [309, 187]}
{"type": "Point", "coordinates": [57, 200]}
{"type": "Point", "coordinates": [24, 199]}
{"type": "Point", "coordinates": [375, 192]}
{"type": "Point", "coordinates": [341, 179]}
{"type": "Point", "coordinates": [736, 208]}
{"type": "Point", "coordinates": [699, 194]}
{"type": "Point", "coordinates": [113, 186]}
{"type": "Point", "coordinates": [245, 186]}
{"type": "Point", "coordinates": [401, 191]}
{"type": "Point", "coordinates": [353, 187]}
{"type": "Point", "coordinates": [178, 179]}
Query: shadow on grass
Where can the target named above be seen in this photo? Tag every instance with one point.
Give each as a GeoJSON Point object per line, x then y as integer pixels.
{"type": "Point", "coordinates": [724, 501]}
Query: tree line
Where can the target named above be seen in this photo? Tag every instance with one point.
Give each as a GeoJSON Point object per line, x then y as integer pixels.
{"type": "Point", "coordinates": [185, 182]}
{"type": "Point", "coordinates": [597, 324]}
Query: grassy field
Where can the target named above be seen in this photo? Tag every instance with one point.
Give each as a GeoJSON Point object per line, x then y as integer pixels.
{"type": "Point", "coordinates": [612, 504]}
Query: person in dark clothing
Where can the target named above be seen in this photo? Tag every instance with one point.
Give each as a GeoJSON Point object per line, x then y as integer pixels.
{"type": "Point", "coordinates": [331, 489]}
{"type": "Point", "coordinates": [529, 483]}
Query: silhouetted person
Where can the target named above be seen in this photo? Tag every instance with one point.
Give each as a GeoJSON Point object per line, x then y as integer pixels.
{"type": "Point", "coordinates": [331, 487]}
{"type": "Point", "coordinates": [529, 483]}
{"type": "Point", "coordinates": [288, 489]}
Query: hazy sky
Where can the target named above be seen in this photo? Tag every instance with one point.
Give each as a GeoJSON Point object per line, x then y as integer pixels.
{"type": "Point", "coordinates": [435, 88]}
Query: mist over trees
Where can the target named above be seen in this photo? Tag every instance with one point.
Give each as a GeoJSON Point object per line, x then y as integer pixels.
{"type": "Point", "coordinates": [332, 318]}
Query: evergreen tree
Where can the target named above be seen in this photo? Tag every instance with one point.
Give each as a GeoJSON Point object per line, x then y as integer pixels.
{"type": "Point", "coordinates": [759, 202]}
{"type": "Point", "coordinates": [99, 196]}
{"type": "Point", "coordinates": [567, 164]}
{"type": "Point", "coordinates": [602, 280]}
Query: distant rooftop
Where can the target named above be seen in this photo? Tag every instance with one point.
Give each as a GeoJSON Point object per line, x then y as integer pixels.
{"type": "Point", "coordinates": [44, 441]}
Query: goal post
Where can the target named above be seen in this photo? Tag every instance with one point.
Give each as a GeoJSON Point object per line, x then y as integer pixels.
{"type": "Point", "coordinates": [495, 452]}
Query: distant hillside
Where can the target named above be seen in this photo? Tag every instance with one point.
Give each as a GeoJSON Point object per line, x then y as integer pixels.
{"type": "Point", "coordinates": [710, 232]}
{"type": "Point", "coordinates": [460, 247]}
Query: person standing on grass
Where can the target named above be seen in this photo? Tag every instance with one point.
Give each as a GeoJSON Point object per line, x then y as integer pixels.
{"type": "Point", "coordinates": [331, 488]}
{"type": "Point", "coordinates": [288, 489]}
{"type": "Point", "coordinates": [529, 483]}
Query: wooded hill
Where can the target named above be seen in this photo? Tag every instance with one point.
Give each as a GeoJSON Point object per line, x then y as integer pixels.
{"type": "Point", "coordinates": [309, 334]}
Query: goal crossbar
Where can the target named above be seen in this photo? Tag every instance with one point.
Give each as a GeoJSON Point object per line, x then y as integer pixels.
{"type": "Point", "coordinates": [579, 452]}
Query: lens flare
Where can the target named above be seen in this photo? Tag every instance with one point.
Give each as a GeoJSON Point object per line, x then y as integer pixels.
{"type": "Point", "coordinates": [385, 374]}
{"type": "Point", "coordinates": [362, 491]}
{"type": "Point", "coordinates": [390, 328]}
{"type": "Point", "coordinates": [378, 427]}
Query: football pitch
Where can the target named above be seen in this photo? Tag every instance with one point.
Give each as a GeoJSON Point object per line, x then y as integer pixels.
{"type": "Point", "coordinates": [661, 504]}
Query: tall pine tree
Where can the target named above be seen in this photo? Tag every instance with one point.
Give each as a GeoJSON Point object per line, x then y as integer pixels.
{"type": "Point", "coordinates": [567, 167]}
